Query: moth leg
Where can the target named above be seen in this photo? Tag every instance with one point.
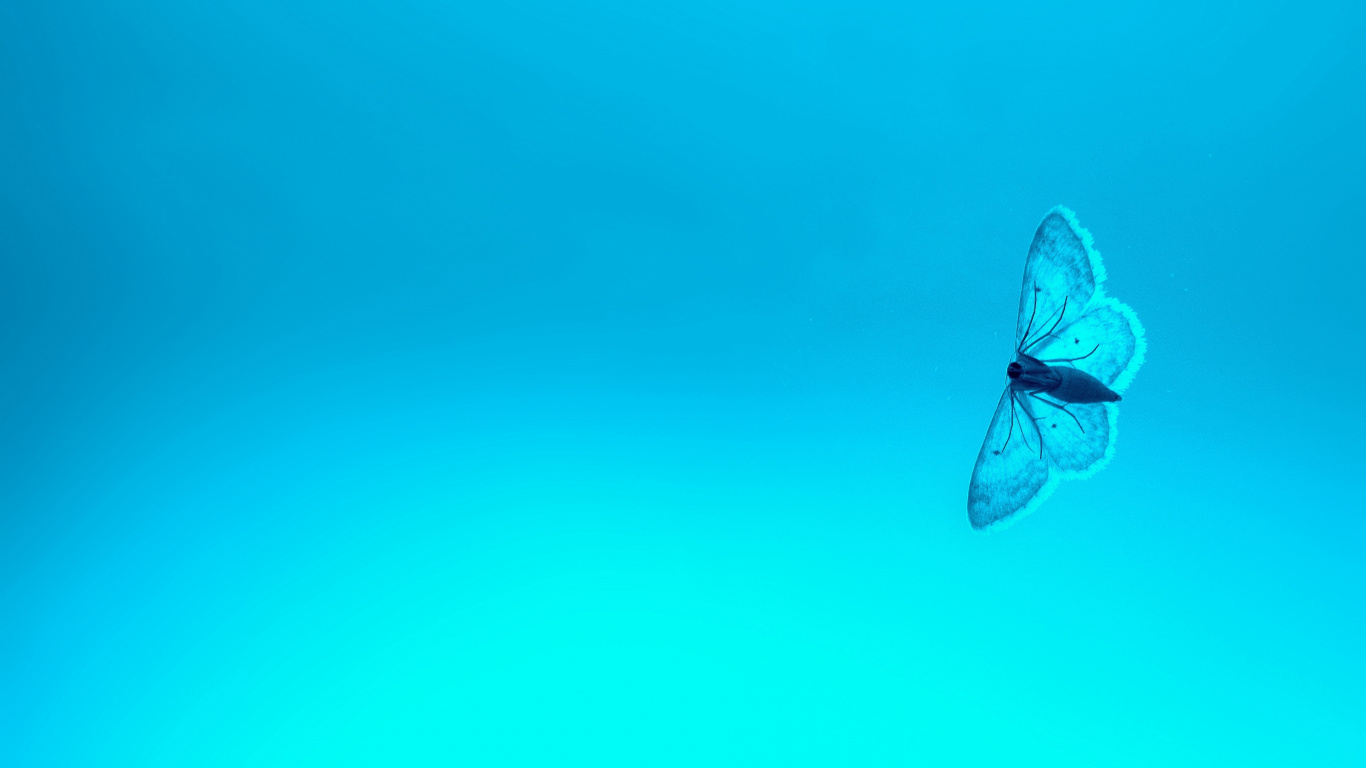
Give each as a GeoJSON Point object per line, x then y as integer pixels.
{"type": "Point", "coordinates": [1073, 359]}
{"type": "Point", "coordinates": [1032, 419]}
{"type": "Point", "coordinates": [1062, 408]}
{"type": "Point", "coordinates": [1010, 431]}
{"type": "Point", "coordinates": [1061, 315]}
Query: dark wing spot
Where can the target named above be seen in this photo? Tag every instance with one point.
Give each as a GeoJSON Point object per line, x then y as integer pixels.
{"type": "Point", "coordinates": [1076, 341]}
{"type": "Point", "coordinates": [998, 453]}
{"type": "Point", "coordinates": [1055, 426]}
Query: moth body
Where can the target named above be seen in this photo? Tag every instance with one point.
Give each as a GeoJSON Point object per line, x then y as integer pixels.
{"type": "Point", "coordinates": [1061, 382]}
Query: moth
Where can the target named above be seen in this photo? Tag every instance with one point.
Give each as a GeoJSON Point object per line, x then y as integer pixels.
{"type": "Point", "coordinates": [1076, 351]}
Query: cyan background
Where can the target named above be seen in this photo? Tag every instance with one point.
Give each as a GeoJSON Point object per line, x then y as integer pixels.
{"type": "Point", "coordinates": [516, 383]}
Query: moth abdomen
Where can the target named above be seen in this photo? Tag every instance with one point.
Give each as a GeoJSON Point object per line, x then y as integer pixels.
{"type": "Point", "coordinates": [1076, 386]}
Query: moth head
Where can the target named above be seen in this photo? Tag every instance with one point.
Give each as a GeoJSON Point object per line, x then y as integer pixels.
{"type": "Point", "coordinates": [1014, 370]}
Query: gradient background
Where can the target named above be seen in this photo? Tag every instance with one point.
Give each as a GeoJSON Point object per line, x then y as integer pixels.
{"type": "Point", "coordinates": [418, 383]}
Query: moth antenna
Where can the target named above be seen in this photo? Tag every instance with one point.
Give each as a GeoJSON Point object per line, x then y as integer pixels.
{"type": "Point", "coordinates": [1025, 337]}
{"type": "Point", "coordinates": [1061, 315]}
{"type": "Point", "coordinates": [1050, 331]}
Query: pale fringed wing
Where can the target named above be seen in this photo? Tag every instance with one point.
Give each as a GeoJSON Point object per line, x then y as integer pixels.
{"type": "Point", "coordinates": [1009, 476]}
{"type": "Point", "coordinates": [1012, 479]}
{"type": "Point", "coordinates": [1061, 266]}
{"type": "Point", "coordinates": [1107, 338]}
{"type": "Point", "coordinates": [1076, 447]}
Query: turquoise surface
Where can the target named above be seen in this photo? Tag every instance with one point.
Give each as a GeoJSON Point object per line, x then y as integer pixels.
{"type": "Point", "coordinates": [496, 384]}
